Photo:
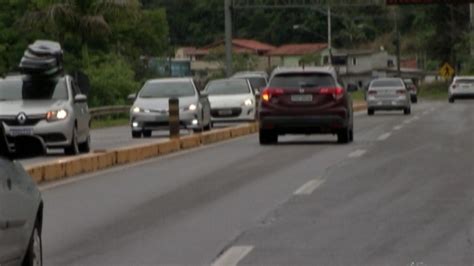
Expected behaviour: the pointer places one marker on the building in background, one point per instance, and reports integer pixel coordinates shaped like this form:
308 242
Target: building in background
293 55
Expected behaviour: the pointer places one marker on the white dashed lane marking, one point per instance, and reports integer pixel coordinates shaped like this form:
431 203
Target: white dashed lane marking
309 187
233 256
397 127
384 136
357 153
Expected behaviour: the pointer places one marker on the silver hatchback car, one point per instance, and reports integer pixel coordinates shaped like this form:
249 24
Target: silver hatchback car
21 213
387 94
150 110
52 112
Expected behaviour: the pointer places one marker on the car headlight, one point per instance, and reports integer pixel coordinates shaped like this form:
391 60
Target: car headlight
248 102
56 115
136 109
192 107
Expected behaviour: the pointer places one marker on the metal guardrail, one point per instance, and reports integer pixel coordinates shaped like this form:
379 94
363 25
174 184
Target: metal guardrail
108 110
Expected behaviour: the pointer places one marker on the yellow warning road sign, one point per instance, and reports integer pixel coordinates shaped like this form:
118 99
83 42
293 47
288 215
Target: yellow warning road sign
446 71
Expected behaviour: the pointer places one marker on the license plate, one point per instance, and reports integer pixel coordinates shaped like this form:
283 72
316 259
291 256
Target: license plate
302 98
224 112
21 132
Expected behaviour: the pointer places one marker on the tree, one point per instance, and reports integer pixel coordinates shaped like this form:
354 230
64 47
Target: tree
87 19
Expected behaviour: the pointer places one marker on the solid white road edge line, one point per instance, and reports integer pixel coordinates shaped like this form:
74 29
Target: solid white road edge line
309 187
232 256
398 127
384 136
357 153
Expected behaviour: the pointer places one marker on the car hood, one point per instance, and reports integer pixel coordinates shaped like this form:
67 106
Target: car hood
30 107
162 103
229 100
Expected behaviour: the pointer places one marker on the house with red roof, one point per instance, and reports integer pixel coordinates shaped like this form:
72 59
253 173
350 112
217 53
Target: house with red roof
295 54
241 46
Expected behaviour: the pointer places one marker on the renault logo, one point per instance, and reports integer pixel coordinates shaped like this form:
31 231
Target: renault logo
301 90
21 118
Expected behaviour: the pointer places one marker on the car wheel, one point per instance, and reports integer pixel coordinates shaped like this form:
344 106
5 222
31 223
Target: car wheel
208 127
451 100
73 149
136 134
407 111
343 136
146 133
351 135
370 111
267 137
86 146
34 254
415 99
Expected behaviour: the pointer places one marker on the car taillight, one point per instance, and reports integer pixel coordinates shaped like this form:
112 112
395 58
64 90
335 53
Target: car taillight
268 93
401 92
336 92
372 93
453 86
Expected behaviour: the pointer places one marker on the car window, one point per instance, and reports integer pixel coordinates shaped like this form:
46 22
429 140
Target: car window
387 83
167 90
408 82
257 82
33 89
465 81
298 80
228 87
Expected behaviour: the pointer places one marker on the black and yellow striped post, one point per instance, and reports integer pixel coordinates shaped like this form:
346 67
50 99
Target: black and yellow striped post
174 117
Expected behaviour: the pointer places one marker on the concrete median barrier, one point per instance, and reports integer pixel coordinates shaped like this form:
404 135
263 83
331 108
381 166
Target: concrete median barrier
100 160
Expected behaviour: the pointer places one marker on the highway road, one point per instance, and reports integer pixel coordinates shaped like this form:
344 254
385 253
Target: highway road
401 194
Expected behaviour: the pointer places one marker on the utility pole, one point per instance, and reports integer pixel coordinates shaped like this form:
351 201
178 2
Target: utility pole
329 36
471 28
228 37
397 42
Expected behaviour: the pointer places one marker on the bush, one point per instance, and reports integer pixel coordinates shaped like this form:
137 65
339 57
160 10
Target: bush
112 79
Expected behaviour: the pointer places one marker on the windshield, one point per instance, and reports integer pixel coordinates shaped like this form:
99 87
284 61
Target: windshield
299 80
228 87
465 81
167 90
257 83
33 89
387 83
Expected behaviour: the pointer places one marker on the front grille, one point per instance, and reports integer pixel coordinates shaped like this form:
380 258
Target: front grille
226 112
53 137
159 124
28 122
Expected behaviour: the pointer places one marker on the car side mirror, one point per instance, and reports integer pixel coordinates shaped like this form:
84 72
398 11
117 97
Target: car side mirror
80 98
352 88
132 97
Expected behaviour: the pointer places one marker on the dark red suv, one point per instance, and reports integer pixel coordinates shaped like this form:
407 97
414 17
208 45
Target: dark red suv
306 101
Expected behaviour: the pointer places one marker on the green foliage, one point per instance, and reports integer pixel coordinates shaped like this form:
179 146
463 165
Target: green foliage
112 79
434 91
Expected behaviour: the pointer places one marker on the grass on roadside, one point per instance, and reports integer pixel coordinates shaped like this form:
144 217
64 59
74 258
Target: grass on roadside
437 91
109 122
358 96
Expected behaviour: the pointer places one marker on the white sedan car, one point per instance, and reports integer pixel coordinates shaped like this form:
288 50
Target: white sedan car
232 100
461 88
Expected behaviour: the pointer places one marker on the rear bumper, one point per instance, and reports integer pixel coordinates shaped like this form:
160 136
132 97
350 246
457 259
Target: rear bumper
464 95
322 124
388 104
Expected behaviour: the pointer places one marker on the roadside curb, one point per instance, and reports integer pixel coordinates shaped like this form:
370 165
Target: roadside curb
100 160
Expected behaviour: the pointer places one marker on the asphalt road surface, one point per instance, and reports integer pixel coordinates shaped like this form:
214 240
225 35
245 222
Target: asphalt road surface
401 194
